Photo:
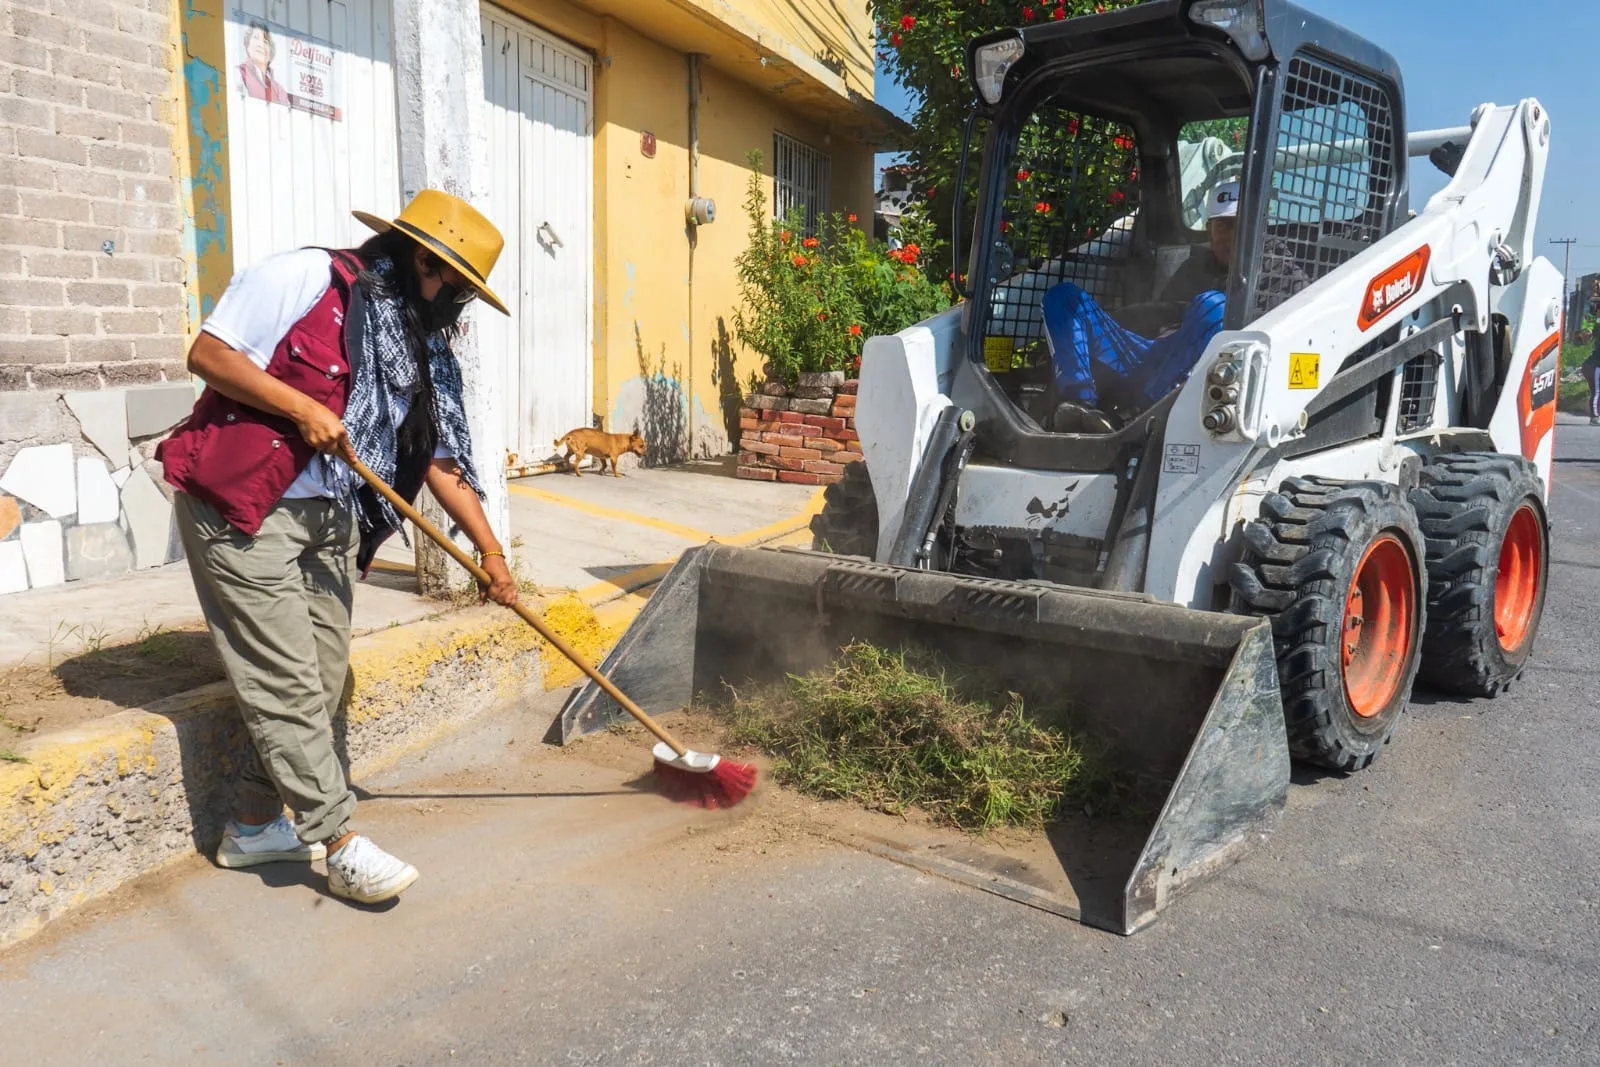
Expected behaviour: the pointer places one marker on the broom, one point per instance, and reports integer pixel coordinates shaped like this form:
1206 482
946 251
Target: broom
682 774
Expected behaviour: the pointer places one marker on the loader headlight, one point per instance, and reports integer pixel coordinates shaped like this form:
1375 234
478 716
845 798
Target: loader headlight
1244 21
991 63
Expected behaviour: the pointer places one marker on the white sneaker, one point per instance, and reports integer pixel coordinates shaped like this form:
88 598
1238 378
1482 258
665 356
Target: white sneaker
366 874
274 843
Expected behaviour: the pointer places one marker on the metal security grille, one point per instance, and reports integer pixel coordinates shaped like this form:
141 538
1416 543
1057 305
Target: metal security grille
800 180
1419 384
1333 176
1068 217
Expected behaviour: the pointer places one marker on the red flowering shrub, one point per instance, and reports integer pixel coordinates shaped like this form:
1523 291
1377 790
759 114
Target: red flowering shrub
812 312
928 47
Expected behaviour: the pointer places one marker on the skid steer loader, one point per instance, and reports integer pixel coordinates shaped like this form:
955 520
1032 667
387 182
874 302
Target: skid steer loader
1346 492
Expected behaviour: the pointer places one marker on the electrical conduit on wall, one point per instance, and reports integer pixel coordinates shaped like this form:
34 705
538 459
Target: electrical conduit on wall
692 228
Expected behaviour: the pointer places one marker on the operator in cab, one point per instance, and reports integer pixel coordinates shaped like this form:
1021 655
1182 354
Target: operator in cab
1100 363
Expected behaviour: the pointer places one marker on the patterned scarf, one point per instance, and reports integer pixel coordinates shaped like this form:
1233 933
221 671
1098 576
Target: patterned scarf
385 381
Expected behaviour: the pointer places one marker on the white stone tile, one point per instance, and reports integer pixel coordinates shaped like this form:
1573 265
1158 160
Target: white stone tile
97 551
154 409
42 475
120 476
98 498
149 519
43 549
103 416
13 568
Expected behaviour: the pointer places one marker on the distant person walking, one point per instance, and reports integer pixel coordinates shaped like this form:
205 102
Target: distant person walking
1591 375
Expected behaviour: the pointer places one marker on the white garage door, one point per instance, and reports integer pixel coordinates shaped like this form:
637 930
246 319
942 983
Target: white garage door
311 123
537 96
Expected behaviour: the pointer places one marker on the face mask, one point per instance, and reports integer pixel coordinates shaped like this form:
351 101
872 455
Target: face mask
444 310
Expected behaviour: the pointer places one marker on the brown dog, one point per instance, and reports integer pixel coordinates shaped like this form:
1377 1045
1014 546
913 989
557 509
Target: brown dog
608 446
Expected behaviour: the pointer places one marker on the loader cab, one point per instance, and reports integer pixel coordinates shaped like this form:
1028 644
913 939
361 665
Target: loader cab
1104 137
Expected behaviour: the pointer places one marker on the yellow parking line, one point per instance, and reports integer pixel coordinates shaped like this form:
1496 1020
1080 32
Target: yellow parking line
782 526
688 533
622 584
784 533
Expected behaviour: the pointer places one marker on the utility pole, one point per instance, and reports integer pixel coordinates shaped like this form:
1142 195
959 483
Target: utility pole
1566 269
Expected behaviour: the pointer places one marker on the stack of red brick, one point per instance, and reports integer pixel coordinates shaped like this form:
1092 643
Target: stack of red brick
803 434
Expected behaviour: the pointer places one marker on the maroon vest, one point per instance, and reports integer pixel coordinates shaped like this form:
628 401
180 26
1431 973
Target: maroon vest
240 459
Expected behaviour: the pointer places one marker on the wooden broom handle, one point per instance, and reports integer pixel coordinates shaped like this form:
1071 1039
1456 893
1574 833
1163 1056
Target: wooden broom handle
521 609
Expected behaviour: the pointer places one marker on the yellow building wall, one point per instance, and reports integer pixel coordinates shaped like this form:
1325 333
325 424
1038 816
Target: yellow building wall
665 362
839 34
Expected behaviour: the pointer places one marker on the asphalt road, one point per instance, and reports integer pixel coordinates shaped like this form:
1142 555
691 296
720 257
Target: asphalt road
1440 907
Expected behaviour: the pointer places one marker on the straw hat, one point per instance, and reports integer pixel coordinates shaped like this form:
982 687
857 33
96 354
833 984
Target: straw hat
453 230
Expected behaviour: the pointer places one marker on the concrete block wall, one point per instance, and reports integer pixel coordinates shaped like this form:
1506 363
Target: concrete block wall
92 276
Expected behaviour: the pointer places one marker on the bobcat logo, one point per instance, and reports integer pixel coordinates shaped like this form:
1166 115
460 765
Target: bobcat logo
1394 287
1039 511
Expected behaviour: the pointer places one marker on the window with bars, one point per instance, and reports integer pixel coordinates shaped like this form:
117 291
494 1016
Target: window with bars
1069 209
1333 177
800 180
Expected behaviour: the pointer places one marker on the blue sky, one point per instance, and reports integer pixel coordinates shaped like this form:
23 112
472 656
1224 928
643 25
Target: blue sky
1457 54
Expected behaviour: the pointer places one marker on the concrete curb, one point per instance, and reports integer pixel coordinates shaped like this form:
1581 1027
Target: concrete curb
102 803
107 801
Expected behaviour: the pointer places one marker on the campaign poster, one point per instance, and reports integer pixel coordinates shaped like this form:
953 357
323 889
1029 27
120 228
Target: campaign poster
280 66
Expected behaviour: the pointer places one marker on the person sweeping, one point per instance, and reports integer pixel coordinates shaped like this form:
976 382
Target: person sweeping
311 360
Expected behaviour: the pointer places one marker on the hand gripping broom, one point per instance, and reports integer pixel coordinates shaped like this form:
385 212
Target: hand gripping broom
681 773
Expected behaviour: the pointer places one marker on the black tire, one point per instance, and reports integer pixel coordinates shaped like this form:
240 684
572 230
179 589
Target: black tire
1466 504
1299 569
847 525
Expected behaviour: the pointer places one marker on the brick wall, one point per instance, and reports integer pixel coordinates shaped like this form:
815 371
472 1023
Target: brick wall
804 434
86 95
92 295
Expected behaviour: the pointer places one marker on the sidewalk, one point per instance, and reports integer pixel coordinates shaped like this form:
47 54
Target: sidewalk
599 537
117 736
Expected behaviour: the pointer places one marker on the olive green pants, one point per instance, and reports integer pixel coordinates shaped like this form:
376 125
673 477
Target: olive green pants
278 605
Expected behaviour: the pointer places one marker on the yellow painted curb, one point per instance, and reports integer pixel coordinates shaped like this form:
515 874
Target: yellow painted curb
109 800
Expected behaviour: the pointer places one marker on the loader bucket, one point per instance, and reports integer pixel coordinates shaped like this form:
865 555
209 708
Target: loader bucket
1188 701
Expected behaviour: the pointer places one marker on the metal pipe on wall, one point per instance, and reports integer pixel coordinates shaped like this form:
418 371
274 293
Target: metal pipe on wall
692 232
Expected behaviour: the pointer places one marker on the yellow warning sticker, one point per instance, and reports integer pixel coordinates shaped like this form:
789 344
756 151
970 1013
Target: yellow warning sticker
1305 370
997 352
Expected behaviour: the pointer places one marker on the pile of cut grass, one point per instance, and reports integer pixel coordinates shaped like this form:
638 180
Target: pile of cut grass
894 730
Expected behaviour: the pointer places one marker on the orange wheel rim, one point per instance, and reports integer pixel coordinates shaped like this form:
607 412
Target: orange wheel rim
1516 587
1379 626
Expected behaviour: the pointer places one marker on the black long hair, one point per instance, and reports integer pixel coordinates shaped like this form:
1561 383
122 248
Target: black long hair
417 434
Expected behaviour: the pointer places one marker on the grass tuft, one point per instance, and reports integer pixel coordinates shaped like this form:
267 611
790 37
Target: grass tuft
894 730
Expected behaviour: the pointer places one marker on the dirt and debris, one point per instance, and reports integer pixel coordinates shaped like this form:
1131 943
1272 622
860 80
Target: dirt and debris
896 730
85 677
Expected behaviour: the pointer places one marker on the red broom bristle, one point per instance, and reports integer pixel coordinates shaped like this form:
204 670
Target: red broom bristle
721 787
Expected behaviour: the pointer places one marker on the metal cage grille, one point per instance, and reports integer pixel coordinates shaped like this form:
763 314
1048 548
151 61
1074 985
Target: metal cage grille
1333 176
799 179
1068 217
1419 386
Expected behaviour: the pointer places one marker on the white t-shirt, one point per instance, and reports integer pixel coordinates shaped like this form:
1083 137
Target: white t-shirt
261 303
